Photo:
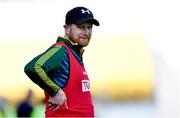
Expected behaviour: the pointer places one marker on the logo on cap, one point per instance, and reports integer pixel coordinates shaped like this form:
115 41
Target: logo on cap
85 11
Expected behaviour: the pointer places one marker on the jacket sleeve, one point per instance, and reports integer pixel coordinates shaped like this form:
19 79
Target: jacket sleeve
37 69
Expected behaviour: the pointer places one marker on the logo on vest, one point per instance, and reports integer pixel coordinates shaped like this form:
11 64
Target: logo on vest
84 73
85 85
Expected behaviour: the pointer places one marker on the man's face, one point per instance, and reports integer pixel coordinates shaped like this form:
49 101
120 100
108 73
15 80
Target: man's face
80 34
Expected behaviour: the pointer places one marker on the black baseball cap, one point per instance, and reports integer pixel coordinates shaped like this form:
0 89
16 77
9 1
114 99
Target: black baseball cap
80 15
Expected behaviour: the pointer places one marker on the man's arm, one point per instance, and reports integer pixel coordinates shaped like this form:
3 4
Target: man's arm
37 70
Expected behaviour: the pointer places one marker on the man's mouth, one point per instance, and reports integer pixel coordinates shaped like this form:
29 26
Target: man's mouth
84 37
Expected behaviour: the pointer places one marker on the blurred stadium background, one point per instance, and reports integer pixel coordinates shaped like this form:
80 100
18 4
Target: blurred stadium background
132 60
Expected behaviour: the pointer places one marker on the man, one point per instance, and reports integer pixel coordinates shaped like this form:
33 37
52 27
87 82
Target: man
25 107
60 70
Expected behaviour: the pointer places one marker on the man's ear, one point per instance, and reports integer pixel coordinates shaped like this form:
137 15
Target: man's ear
67 29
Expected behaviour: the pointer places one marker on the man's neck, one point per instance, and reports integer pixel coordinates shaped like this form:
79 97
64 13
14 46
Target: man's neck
80 48
66 37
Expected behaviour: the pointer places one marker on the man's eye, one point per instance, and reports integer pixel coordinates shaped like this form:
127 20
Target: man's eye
89 27
84 27
80 27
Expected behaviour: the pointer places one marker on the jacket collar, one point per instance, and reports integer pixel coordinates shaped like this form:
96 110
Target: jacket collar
70 43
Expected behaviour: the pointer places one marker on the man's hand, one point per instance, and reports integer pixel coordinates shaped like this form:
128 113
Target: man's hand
58 100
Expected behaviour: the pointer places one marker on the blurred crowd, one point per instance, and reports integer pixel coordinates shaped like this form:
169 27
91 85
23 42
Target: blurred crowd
26 107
